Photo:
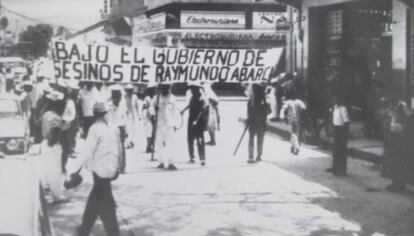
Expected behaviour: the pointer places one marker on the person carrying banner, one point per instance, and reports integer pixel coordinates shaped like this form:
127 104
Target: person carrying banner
146 116
197 119
165 127
117 115
132 104
294 108
257 110
102 156
87 97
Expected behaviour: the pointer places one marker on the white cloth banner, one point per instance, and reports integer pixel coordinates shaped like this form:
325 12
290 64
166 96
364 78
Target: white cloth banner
162 65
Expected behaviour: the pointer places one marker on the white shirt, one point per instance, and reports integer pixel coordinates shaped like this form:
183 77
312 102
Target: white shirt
117 114
293 108
70 112
101 151
166 111
88 99
340 116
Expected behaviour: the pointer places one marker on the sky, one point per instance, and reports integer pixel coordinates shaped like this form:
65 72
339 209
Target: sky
74 14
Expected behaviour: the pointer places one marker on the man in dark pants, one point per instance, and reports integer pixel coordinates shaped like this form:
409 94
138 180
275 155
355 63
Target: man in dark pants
341 124
102 153
197 120
257 110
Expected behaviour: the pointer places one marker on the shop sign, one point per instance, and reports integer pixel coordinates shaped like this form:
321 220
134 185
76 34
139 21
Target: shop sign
266 20
233 36
282 24
212 20
153 24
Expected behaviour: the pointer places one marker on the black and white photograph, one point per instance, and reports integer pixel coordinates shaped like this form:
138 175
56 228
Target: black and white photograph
206 118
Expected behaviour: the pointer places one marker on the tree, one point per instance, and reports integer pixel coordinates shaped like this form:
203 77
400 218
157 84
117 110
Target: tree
40 36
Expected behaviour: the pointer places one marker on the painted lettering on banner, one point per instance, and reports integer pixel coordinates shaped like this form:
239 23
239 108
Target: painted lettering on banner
162 65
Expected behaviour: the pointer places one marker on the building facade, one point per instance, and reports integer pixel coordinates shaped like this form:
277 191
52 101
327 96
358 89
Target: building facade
361 49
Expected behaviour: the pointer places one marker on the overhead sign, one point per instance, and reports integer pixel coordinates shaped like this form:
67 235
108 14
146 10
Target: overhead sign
162 65
152 24
233 35
266 20
212 20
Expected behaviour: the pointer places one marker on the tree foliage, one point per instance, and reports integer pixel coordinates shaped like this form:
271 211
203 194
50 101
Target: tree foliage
39 36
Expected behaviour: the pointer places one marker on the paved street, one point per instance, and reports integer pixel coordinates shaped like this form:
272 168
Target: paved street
283 195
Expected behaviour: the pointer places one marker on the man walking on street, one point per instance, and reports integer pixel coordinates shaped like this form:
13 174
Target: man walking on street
257 110
197 120
294 107
88 97
102 155
117 115
71 123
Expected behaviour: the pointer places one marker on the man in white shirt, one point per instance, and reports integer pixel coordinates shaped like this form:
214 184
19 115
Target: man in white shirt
118 116
87 98
341 124
294 108
70 119
101 154
132 104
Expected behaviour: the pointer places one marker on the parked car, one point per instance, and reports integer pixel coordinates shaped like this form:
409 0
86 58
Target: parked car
14 126
23 210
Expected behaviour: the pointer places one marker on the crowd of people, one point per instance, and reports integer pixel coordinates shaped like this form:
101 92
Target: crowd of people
106 116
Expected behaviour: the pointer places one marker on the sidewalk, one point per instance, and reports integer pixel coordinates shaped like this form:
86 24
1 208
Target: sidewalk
358 147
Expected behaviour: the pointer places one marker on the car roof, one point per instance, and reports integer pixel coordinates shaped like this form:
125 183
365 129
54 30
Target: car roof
8 96
11 59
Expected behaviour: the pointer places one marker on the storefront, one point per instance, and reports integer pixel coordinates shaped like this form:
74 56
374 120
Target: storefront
357 49
214 25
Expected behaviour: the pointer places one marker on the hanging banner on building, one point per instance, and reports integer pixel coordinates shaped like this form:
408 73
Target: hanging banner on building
162 65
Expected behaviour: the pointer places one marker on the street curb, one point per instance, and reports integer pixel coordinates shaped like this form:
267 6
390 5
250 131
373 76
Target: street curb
352 152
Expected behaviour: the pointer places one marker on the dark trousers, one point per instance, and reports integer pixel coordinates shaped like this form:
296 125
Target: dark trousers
340 153
87 122
35 128
69 143
196 133
100 203
259 132
122 133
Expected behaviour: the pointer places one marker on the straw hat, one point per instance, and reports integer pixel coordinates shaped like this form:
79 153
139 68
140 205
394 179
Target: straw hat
100 107
115 87
55 96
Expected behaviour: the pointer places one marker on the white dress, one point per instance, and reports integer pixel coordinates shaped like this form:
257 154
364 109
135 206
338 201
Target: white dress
52 168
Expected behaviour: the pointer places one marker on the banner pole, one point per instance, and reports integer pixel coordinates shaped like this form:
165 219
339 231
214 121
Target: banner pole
154 130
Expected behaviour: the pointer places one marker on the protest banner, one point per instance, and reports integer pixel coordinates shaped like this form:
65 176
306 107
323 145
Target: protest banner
162 65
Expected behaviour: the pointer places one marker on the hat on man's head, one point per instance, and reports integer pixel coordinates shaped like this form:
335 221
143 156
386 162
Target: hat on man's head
47 89
100 107
73 84
27 83
152 85
115 87
55 96
129 86
194 83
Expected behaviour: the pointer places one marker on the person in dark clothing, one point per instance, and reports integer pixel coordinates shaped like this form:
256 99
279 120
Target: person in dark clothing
395 161
197 120
257 110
